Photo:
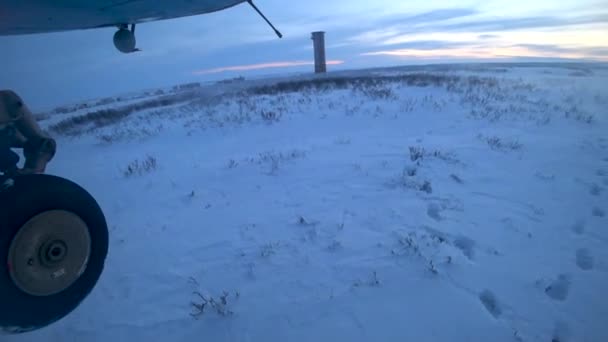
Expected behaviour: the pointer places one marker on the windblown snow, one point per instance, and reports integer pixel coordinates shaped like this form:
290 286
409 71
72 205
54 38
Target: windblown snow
438 203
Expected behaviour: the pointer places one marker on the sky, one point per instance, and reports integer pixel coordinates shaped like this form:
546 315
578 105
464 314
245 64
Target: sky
58 68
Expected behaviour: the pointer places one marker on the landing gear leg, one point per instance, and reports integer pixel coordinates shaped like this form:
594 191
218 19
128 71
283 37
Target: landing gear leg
53 234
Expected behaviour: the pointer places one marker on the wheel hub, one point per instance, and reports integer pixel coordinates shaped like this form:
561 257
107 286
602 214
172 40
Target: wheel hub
53 252
49 253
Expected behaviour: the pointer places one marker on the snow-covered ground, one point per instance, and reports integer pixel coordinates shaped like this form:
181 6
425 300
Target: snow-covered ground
458 203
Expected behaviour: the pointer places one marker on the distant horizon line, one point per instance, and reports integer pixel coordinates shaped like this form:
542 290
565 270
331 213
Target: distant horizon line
515 61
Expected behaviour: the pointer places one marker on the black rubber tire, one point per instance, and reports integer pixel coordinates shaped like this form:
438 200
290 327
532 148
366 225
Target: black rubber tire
28 196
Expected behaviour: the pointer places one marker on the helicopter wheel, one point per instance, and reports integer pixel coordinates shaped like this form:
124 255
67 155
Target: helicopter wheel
53 245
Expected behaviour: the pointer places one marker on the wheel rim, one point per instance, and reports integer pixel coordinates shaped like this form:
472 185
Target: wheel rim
49 253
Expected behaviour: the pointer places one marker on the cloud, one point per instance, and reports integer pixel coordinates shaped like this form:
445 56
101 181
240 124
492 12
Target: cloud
598 50
373 36
394 25
431 54
259 66
487 36
472 51
507 24
463 24
429 17
591 51
546 48
429 44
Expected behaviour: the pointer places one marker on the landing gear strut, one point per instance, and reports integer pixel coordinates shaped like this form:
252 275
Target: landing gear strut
124 39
